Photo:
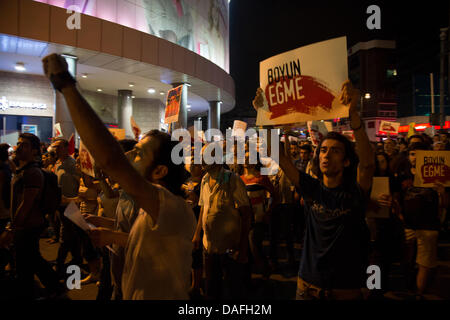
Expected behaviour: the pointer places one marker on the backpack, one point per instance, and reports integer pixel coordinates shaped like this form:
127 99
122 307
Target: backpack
51 193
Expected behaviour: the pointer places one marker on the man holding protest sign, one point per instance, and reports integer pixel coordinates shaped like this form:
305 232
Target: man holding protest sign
336 240
419 211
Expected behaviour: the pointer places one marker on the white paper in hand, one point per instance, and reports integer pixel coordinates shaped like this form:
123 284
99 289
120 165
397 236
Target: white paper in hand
380 186
73 214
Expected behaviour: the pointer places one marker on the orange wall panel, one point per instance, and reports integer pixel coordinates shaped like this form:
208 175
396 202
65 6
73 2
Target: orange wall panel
178 58
34 20
112 35
165 53
149 49
59 33
132 44
9 17
189 63
89 36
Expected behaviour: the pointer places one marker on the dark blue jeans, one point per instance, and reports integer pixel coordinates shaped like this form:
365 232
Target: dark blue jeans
30 262
224 277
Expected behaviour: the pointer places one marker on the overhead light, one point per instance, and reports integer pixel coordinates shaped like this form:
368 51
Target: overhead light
99 90
162 93
132 97
84 75
367 96
151 90
131 84
20 66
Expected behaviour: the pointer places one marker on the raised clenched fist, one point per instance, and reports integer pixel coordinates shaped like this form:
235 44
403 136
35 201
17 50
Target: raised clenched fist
54 64
258 102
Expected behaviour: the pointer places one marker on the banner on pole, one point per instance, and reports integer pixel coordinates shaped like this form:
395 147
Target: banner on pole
173 104
87 162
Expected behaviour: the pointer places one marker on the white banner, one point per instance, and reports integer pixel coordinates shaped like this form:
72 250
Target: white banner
304 84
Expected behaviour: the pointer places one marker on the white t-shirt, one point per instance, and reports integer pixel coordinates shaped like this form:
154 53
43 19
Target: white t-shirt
217 199
158 255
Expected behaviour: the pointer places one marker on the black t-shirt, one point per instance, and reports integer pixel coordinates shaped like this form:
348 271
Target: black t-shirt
336 240
30 176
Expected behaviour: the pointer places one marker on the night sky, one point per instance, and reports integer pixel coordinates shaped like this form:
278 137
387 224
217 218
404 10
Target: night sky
260 29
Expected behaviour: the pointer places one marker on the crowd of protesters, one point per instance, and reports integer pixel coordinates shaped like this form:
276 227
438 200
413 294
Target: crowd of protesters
162 230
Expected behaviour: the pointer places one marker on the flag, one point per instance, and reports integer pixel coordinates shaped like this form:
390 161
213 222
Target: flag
135 128
71 145
412 130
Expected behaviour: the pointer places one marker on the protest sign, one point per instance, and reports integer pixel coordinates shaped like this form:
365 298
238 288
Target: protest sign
304 84
317 131
380 186
389 127
173 104
86 161
432 167
118 133
239 128
58 131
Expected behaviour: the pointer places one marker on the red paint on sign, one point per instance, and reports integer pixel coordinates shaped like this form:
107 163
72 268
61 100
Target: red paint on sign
302 94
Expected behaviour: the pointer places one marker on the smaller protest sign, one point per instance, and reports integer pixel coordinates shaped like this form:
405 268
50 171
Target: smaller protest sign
173 104
389 127
432 167
58 131
239 128
317 131
86 161
380 186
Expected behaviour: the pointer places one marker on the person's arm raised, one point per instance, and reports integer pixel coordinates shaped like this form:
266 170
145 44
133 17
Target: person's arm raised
350 97
101 144
286 164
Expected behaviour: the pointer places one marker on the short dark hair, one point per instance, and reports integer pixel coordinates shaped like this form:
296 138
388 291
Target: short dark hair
127 144
64 142
34 141
350 172
306 147
417 136
4 147
176 174
417 146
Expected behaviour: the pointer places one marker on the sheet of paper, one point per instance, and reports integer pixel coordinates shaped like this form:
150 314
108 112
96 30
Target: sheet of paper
380 186
73 214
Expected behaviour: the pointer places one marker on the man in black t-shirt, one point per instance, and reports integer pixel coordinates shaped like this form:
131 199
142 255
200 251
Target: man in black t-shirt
336 241
28 220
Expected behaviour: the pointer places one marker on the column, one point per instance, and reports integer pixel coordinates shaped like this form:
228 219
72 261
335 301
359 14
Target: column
125 111
62 114
214 114
182 118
